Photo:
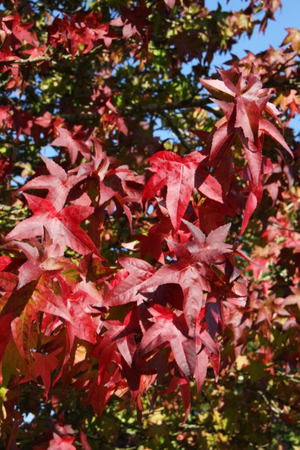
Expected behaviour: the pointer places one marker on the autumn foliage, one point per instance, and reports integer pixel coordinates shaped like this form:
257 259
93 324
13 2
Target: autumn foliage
135 267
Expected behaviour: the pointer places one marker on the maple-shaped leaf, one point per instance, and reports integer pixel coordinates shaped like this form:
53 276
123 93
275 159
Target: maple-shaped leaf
86 327
192 269
5 324
21 327
61 443
122 334
134 21
127 290
168 327
98 165
43 364
210 249
4 262
243 102
201 368
46 300
8 281
36 263
178 174
20 31
170 3
84 442
73 143
293 38
58 183
62 226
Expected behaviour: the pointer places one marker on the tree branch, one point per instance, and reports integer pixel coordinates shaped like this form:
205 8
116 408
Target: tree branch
153 108
176 131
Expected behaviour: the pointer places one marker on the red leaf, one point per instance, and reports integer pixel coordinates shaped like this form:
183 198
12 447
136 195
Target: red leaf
127 290
201 368
170 3
4 262
43 364
251 205
173 329
61 443
84 442
208 185
5 327
8 281
243 101
186 399
20 30
37 261
219 89
270 129
63 226
20 328
45 300
191 270
72 143
178 174
58 183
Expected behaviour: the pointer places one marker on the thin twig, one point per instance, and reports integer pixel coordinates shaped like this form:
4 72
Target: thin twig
176 131
282 228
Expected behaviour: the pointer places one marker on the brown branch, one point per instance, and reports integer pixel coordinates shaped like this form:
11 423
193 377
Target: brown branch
182 104
153 108
53 58
282 228
176 131
29 60
283 83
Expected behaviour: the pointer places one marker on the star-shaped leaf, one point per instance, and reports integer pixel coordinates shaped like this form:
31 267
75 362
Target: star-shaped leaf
73 143
168 327
180 175
62 226
58 183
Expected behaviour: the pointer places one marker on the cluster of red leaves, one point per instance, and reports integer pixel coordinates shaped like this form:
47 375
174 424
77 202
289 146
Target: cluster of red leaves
19 44
273 307
67 316
81 29
147 321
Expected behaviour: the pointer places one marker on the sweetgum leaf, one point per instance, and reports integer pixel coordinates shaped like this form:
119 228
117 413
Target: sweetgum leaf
270 129
58 183
192 270
20 328
126 291
43 365
172 329
61 443
62 226
73 144
243 102
180 175
5 324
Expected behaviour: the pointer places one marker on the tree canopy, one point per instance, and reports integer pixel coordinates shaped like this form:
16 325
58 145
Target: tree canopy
149 212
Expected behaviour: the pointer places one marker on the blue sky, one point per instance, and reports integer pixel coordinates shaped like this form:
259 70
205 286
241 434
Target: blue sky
287 17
